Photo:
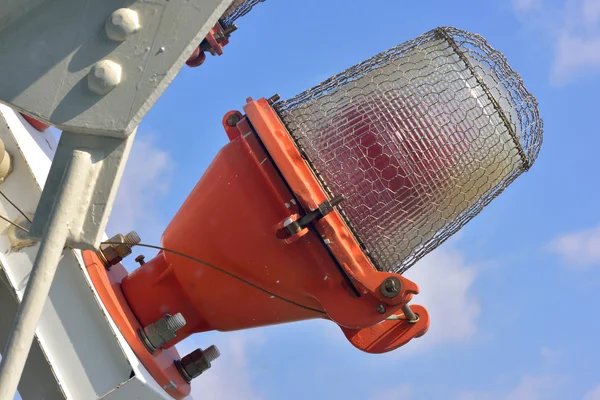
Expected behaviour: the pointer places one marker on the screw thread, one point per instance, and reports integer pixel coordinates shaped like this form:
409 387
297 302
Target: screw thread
131 239
211 353
176 322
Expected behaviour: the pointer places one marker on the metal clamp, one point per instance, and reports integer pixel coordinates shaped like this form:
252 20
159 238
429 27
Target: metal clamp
324 208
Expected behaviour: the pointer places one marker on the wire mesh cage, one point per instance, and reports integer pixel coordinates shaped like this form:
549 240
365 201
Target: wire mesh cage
238 9
419 139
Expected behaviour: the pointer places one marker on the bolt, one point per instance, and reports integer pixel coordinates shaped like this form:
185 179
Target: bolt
195 363
117 248
220 37
391 287
121 24
229 30
274 98
175 322
410 314
233 119
337 200
381 309
131 239
104 76
160 332
212 353
140 259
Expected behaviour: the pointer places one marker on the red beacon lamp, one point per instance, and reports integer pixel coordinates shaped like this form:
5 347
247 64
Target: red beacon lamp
318 204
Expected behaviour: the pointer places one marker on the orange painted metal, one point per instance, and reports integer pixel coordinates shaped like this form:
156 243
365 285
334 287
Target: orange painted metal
343 245
39 125
388 335
160 364
231 220
215 40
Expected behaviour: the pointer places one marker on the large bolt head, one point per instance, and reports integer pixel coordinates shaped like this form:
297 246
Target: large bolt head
104 76
121 24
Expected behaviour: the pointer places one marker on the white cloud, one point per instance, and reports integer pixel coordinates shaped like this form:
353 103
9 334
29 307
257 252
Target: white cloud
534 388
475 395
593 394
445 281
578 249
574 28
575 55
550 356
591 11
147 177
526 5
403 391
529 388
230 377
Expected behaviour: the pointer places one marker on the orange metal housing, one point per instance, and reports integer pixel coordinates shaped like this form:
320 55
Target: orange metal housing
161 363
231 219
39 125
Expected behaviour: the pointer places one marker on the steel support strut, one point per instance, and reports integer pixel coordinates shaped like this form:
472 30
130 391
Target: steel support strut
42 273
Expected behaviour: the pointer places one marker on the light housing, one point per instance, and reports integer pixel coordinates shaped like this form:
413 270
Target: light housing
417 140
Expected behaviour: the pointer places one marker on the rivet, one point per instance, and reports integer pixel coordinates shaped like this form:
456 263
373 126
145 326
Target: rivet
121 24
104 76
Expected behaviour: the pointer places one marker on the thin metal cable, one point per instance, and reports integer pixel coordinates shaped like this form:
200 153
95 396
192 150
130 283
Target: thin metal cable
14 223
15 206
203 263
226 273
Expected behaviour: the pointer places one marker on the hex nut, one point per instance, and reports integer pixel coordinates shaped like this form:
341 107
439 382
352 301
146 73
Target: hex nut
197 362
110 254
391 287
115 253
162 331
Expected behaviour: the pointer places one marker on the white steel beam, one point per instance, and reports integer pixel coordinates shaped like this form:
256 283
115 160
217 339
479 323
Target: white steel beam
88 356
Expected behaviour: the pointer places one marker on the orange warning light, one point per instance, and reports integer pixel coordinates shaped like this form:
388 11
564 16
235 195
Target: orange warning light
257 187
319 203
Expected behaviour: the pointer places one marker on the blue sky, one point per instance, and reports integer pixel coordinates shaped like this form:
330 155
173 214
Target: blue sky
513 297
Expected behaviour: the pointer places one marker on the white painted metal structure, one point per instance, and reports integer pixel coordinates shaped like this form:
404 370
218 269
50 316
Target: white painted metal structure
92 68
79 352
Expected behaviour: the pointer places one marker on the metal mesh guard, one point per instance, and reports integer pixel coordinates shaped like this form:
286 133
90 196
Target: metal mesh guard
237 9
419 138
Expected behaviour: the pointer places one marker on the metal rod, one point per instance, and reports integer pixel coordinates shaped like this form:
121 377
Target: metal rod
409 314
42 274
15 206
